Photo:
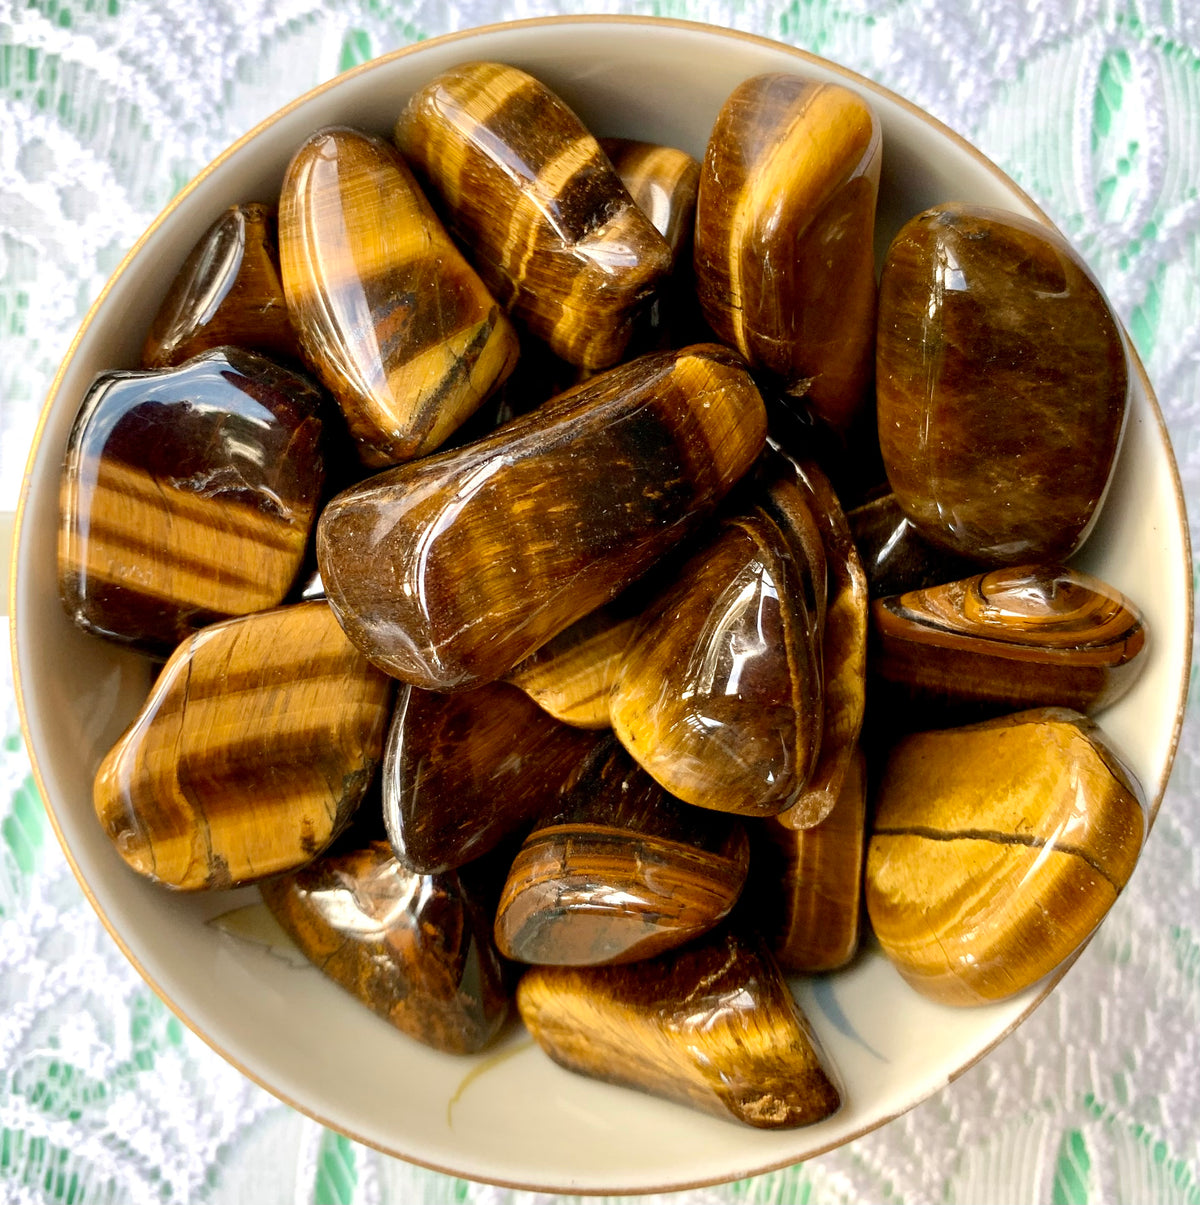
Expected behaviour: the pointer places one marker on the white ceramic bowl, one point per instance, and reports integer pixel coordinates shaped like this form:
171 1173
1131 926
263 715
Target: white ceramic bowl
512 1116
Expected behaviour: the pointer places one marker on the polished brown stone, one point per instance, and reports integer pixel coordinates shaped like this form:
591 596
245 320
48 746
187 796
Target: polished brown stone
250 754
784 236
662 180
188 496
415 949
1002 385
618 871
398 325
996 850
449 571
228 292
712 1026
548 223
463 771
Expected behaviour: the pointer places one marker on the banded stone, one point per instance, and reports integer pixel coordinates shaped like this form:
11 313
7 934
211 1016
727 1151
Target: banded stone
662 180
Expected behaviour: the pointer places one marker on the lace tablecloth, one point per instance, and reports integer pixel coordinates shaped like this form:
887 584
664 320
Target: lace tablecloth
107 107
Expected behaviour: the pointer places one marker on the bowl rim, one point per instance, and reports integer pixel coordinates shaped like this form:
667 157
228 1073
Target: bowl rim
852 78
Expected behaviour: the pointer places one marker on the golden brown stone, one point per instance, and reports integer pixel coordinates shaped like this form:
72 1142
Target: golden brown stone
662 181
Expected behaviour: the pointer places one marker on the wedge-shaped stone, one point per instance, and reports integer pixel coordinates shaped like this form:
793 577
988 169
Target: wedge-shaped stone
719 694
395 321
188 496
463 771
250 753
449 571
228 292
550 227
712 1025
415 949
1029 636
1002 385
618 871
785 223
997 849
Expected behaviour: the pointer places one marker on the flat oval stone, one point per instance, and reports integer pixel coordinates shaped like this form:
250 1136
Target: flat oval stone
228 292
398 325
463 771
550 227
997 848
712 1026
251 752
785 221
1028 636
618 871
188 496
1002 385
546 520
415 949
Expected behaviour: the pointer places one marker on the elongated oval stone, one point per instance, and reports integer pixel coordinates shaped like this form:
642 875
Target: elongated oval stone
250 754
550 227
712 1026
395 321
449 571
228 292
618 871
463 771
188 496
1029 636
719 693
1002 385
997 848
415 949
785 220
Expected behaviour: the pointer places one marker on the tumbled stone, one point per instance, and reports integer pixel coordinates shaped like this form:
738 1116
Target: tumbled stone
662 180
188 496
250 754
713 1026
1002 385
996 850
546 520
550 227
398 325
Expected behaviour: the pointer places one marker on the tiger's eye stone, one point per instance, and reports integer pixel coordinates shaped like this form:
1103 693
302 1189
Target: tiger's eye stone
449 571
415 949
228 292
1030 636
719 692
618 871
396 322
1002 385
550 227
662 181
250 754
713 1026
785 221
997 849
463 771
188 496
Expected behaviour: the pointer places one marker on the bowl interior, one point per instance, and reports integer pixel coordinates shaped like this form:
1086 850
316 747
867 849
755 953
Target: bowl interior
512 1116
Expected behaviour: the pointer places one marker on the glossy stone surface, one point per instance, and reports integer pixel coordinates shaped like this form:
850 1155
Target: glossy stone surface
463 771
188 496
415 949
1029 636
719 693
618 871
398 325
996 850
712 1026
228 292
662 180
547 519
550 227
1002 385
251 752
784 236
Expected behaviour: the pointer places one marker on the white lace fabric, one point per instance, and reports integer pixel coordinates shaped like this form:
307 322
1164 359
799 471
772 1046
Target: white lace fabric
107 107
